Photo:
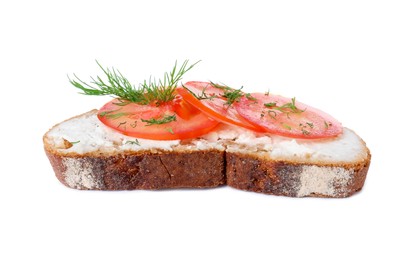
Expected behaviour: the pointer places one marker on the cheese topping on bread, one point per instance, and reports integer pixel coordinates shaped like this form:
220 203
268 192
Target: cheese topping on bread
89 135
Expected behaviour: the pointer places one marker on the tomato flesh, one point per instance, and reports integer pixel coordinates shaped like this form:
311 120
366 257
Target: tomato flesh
209 100
286 117
183 121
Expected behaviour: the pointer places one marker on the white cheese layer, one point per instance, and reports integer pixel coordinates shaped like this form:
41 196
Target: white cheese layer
88 134
347 147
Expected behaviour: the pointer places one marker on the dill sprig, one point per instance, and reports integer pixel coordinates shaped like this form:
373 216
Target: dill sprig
270 104
135 142
232 95
288 127
203 94
164 120
289 107
250 97
112 115
170 130
162 91
151 91
116 85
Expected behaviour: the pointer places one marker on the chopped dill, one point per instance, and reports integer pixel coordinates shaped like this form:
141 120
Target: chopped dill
135 142
164 120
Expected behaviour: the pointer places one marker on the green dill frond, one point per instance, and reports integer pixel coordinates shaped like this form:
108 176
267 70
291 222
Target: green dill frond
203 94
135 142
164 120
232 95
170 130
271 104
250 97
222 87
116 84
289 107
288 127
162 91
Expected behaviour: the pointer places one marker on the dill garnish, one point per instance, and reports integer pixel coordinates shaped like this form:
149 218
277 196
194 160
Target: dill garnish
271 104
114 116
285 108
272 114
170 130
102 114
309 124
232 95
292 107
151 91
250 97
164 120
133 125
288 127
121 103
305 132
203 94
135 142
122 124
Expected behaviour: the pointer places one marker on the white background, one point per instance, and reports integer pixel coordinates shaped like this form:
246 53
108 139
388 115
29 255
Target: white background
353 59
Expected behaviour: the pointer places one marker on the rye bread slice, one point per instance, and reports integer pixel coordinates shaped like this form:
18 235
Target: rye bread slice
148 171
284 178
87 155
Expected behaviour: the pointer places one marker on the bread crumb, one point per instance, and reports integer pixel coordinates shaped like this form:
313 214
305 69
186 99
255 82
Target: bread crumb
330 181
78 174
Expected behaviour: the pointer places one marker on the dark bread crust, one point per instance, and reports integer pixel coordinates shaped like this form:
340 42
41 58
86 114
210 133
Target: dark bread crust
198 169
247 172
149 171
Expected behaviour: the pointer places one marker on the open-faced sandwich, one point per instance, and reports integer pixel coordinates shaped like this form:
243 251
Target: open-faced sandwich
165 134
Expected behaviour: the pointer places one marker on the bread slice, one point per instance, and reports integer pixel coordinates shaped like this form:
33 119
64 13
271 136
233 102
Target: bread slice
85 154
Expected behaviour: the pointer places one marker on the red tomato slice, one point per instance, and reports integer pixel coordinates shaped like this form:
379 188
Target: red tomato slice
182 121
286 117
208 99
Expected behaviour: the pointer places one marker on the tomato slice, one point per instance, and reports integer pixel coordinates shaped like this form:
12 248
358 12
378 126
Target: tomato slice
286 117
209 100
170 121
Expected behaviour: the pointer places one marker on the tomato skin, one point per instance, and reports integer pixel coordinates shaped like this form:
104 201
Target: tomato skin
184 109
200 106
216 107
304 122
127 119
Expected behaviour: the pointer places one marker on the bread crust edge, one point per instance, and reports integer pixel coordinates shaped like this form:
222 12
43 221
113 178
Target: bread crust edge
282 178
148 171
